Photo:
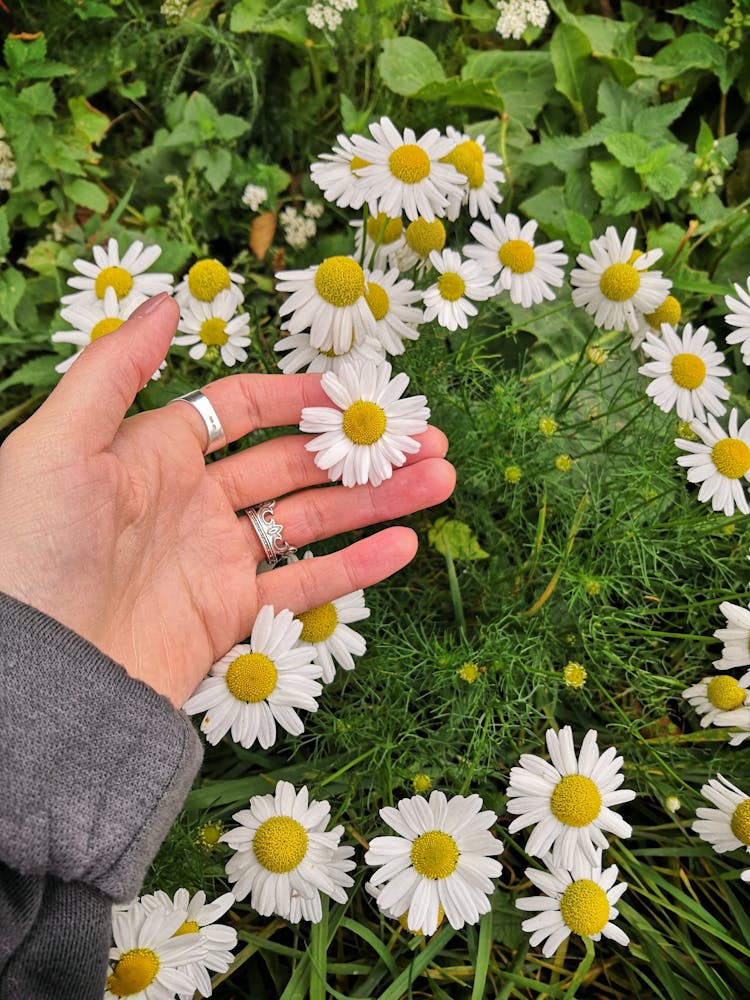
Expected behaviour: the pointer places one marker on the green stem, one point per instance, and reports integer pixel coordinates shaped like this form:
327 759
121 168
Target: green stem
582 969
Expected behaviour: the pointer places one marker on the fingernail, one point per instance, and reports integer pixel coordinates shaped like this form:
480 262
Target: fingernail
149 306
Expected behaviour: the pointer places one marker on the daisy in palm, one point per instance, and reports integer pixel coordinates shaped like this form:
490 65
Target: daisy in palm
578 898
326 629
719 462
527 271
213 326
735 637
461 283
337 174
444 857
206 279
482 174
150 959
614 285
384 241
258 686
740 319
217 940
727 827
370 429
686 372
298 353
714 698
328 299
285 858
569 799
125 275
392 305
406 175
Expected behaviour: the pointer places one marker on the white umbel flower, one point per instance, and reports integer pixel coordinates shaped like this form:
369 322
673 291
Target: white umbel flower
206 279
719 462
528 272
258 686
205 325
217 940
443 856
90 321
461 283
578 899
337 174
715 697
326 629
736 638
298 353
384 242
726 827
150 960
569 799
392 305
125 275
285 857
740 319
370 429
614 285
686 372
405 175
481 173
329 300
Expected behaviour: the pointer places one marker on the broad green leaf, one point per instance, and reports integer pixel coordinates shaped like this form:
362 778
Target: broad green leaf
254 16
92 8
574 68
524 80
230 126
91 123
448 535
352 119
406 65
39 98
619 188
20 52
619 105
709 13
694 50
548 208
83 192
12 286
705 141
578 227
627 148
215 164
42 258
666 182
463 94
39 371
656 120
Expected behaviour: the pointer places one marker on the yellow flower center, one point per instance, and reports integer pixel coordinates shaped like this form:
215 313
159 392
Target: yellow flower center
725 693
251 677
392 231
189 927
133 972
318 624
451 286
669 311
423 237
364 422
105 326
113 277
340 281
206 278
619 282
576 801
584 907
377 299
731 457
574 675
434 854
518 255
469 672
209 833
421 783
740 822
468 159
688 370
357 163
213 332
409 163
280 844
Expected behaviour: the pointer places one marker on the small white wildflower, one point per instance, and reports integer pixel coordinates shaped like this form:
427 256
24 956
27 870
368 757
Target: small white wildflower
316 15
313 209
173 11
332 18
517 15
7 165
253 196
297 228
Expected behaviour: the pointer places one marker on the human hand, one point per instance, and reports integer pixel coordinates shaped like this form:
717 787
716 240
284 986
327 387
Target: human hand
119 529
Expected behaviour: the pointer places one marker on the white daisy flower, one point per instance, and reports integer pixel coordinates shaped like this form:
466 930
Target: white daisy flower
481 172
90 321
285 857
460 281
392 304
728 826
442 857
384 241
669 311
205 280
213 324
527 272
298 353
329 300
568 799
257 686
150 959
326 629
218 941
420 239
369 430
686 372
405 175
126 276
579 899
714 697
740 318
337 174
745 876
615 285
736 638
719 462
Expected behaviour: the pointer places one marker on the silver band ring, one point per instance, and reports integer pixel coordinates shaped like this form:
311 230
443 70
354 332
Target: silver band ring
269 532
202 404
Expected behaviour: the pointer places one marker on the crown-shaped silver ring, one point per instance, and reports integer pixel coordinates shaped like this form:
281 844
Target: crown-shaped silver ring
269 532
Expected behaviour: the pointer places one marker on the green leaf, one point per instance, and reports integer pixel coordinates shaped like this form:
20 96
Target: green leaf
89 122
42 258
619 105
694 50
230 126
254 16
19 52
654 122
619 188
548 208
709 13
87 194
38 98
627 148
216 164
92 8
705 141
571 52
12 286
448 535
524 80
463 94
578 227
406 65
666 182
39 371
352 119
